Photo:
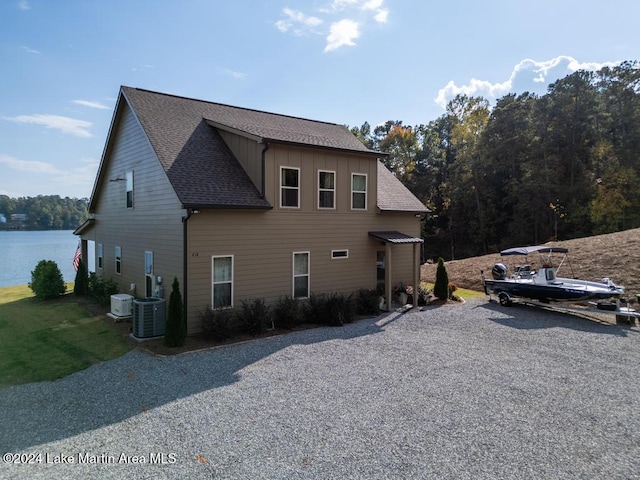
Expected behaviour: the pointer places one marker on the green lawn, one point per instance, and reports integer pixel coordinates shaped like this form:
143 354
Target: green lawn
46 340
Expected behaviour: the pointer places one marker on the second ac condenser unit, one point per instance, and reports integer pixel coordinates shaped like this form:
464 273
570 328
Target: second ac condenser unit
149 317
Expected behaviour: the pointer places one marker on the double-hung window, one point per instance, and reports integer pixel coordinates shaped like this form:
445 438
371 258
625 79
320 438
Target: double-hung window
129 182
326 189
289 187
222 289
300 274
358 191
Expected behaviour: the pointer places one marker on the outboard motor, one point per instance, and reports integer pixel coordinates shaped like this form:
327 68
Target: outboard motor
499 271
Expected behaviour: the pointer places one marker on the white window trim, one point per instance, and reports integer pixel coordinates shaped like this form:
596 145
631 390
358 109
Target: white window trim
366 186
332 190
284 167
213 282
339 257
118 260
294 276
148 274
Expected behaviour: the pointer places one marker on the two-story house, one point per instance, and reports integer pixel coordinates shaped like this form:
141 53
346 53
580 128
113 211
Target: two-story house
240 204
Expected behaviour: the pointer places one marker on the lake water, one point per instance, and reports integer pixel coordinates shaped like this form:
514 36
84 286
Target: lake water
21 251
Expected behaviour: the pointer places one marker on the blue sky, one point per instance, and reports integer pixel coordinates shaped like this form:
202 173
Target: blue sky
342 61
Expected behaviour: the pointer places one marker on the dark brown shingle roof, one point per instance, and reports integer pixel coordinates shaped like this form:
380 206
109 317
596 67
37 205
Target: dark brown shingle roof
199 164
393 196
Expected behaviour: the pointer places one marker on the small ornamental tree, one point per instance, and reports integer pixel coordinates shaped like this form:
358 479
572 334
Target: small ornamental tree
81 286
176 331
441 287
47 281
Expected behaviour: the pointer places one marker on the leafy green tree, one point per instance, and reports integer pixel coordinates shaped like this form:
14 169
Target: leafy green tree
46 280
175 332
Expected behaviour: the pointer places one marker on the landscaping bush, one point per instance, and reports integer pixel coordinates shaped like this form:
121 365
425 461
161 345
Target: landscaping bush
255 316
47 281
176 330
340 309
286 312
314 309
216 324
333 309
81 286
367 302
102 289
441 286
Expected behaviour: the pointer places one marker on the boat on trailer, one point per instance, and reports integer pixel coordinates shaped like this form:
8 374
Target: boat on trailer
539 281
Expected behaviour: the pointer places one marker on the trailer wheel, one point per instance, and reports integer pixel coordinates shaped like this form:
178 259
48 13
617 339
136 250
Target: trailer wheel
504 299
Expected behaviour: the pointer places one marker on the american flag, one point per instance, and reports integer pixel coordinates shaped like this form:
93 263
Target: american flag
77 257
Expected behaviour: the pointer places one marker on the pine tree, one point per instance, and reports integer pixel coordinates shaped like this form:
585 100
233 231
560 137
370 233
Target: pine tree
81 286
441 287
176 332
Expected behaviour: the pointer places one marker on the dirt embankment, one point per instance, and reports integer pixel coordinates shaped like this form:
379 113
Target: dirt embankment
614 255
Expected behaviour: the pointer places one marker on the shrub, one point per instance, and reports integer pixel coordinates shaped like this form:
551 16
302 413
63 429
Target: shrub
255 316
340 309
176 331
333 309
441 287
102 289
81 286
286 312
314 309
216 324
47 281
367 302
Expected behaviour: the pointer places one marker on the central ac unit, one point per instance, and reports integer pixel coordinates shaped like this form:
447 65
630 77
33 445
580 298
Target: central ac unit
149 317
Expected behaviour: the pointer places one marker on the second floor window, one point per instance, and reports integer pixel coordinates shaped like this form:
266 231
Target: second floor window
129 189
289 187
326 189
358 191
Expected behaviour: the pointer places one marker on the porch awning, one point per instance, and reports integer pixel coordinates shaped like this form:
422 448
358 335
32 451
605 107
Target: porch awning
84 227
395 237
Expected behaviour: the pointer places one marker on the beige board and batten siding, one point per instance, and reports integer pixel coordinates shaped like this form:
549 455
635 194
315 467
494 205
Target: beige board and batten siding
248 152
262 243
154 223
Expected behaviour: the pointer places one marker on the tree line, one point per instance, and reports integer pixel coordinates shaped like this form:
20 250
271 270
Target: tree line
528 170
44 212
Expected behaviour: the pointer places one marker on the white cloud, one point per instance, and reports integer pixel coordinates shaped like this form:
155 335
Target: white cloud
342 33
29 166
24 5
87 103
43 178
297 22
232 73
31 50
527 75
67 125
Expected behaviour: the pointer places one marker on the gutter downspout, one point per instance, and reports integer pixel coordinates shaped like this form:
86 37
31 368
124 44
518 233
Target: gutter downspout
185 265
264 163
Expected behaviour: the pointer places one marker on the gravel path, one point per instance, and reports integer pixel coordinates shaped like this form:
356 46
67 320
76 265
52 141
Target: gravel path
463 392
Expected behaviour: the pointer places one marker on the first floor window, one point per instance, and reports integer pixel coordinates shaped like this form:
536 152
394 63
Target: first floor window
118 260
148 273
300 274
359 191
222 282
100 256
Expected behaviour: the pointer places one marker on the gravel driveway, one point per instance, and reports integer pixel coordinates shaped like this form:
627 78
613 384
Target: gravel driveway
466 391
